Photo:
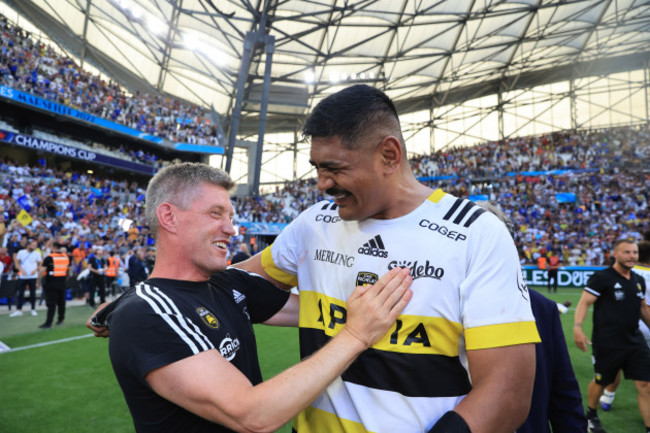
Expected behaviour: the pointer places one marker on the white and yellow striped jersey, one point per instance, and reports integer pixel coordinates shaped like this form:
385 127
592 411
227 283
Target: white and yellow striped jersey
468 294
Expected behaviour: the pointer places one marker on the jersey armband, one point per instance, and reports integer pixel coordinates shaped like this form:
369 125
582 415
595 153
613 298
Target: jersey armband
450 422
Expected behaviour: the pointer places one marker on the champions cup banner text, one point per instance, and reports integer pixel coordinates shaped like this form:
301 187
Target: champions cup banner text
568 276
72 152
44 104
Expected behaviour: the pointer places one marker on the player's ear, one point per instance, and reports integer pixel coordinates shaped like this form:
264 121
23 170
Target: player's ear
167 219
391 153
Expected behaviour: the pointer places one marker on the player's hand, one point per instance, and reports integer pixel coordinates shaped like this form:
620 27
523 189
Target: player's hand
580 338
99 331
372 310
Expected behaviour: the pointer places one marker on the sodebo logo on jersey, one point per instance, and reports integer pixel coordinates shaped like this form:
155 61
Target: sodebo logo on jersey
426 270
328 218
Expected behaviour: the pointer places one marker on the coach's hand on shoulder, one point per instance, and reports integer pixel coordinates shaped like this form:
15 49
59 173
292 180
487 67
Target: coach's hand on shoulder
372 310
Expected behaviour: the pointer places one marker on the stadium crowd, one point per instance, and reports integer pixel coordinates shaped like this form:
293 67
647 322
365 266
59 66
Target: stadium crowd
607 201
29 65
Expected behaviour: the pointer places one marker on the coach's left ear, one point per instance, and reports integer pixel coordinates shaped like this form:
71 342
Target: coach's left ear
167 218
391 153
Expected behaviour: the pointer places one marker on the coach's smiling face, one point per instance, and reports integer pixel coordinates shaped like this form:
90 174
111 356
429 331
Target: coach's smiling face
205 228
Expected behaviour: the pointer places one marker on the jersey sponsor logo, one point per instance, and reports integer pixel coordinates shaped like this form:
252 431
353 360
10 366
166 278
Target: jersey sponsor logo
374 247
229 347
419 270
334 258
239 297
619 294
208 318
442 230
366 278
328 218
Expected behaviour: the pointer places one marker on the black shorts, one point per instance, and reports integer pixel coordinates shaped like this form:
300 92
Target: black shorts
634 361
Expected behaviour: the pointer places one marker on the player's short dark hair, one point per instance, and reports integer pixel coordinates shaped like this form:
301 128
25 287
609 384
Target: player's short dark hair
351 113
646 235
644 252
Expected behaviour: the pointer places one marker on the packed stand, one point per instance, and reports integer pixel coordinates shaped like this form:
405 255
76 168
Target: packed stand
31 66
523 176
88 216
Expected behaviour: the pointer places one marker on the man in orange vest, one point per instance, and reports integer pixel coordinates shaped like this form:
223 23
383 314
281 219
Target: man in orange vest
541 262
55 271
111 271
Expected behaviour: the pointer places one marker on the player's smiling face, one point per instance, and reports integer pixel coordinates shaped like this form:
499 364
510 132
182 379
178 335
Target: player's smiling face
353 177
205 228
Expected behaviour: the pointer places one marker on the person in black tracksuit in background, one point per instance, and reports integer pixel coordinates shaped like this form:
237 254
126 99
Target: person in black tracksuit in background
97 279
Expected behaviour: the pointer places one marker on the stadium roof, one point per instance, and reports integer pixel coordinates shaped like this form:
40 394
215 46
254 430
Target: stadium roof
423 53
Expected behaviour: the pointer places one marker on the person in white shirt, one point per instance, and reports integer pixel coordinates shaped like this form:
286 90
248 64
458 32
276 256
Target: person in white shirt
28 261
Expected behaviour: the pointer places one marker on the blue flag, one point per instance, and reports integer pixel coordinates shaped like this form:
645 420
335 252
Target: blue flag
565 197
24 203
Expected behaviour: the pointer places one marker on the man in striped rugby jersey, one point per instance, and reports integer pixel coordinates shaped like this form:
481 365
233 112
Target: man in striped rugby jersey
470 314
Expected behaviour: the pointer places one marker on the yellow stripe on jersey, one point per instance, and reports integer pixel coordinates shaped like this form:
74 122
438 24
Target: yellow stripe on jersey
641 267
312 420
503 334
410 334
274 272
436 195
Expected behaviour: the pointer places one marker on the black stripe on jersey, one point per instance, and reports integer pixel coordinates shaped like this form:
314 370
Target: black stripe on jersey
331 206
477 213
412 375
453 209
466 208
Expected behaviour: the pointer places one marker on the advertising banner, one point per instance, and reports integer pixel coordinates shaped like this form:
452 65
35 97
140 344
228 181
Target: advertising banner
568 276
38 144
64 110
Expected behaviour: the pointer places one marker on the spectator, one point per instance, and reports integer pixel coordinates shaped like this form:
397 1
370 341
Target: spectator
27 262
137 268
242 254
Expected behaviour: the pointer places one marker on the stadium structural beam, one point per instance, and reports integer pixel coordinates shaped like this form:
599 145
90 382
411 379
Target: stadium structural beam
645 86
249 44
573 105
164 64
84 42
500 126
269 44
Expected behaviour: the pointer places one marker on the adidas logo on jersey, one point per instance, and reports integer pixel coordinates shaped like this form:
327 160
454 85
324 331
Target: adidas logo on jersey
374 247
238 296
